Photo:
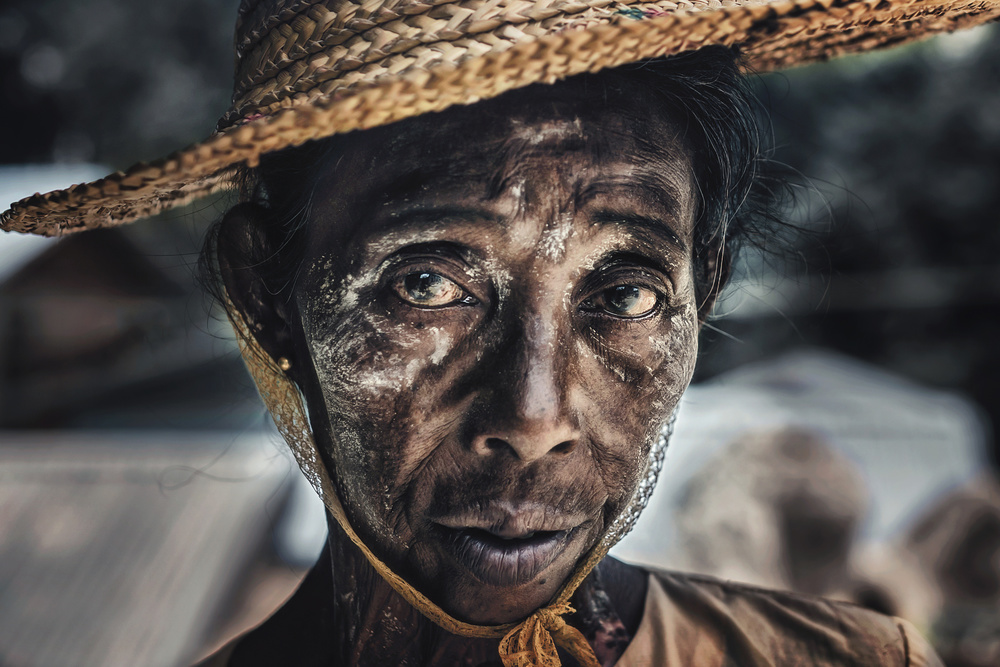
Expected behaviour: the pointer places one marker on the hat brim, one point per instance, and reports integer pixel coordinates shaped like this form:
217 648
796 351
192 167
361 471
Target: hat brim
772 36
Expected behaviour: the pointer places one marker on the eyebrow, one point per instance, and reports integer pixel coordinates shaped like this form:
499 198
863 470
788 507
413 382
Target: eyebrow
406 219
655 225
663 194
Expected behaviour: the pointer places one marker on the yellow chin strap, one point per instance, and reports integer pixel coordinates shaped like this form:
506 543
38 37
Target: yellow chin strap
530 643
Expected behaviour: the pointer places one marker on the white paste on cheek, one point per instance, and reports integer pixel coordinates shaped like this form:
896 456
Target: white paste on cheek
362 365
585 349
337 299
442 345
678 353
352 376
341 332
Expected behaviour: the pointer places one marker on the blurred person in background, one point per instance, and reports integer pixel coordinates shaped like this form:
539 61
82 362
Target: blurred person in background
779 508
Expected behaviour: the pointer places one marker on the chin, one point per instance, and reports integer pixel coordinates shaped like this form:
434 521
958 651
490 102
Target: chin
479 604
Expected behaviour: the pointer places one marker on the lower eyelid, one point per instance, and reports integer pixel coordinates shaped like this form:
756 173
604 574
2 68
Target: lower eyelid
601 314
661 295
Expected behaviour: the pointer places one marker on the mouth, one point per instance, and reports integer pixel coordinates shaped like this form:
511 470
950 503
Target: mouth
504 560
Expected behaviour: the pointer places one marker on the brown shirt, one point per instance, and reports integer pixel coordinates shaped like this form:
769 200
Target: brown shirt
693 620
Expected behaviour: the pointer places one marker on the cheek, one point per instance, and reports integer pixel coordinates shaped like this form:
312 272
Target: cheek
674 356
382 384
360 378
649 361
634 385
366 360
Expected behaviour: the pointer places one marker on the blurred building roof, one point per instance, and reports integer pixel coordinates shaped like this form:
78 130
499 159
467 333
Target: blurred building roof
111 329
122 549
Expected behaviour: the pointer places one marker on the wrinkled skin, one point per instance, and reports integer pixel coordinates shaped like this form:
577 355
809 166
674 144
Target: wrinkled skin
495 314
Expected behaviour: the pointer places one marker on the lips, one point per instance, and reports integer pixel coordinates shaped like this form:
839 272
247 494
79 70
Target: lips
504 561
507 545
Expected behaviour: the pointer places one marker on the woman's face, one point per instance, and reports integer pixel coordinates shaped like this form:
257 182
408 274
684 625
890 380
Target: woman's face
499 306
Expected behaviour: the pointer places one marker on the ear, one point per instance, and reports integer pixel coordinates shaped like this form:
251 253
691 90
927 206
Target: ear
715 270
244 252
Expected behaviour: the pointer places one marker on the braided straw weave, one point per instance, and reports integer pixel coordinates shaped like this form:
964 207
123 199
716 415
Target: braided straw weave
307 69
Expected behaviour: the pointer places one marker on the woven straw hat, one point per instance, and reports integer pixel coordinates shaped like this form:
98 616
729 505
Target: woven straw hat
308 69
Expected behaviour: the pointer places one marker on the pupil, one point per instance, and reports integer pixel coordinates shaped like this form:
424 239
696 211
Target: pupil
423 286
623 298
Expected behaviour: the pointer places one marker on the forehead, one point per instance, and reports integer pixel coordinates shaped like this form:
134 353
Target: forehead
578 139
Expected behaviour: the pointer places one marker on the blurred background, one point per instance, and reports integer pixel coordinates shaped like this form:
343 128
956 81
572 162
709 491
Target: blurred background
839 439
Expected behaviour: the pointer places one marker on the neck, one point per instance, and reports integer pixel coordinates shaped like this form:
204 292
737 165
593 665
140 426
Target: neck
375 625
344 613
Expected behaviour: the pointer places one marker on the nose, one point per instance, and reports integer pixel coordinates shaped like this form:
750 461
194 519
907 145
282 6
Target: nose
526 410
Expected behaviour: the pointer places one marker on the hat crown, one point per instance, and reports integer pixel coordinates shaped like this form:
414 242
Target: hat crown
290 52
256 17
300 52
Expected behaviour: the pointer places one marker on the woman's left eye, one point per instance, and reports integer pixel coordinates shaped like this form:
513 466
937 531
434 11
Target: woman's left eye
625 301
427 289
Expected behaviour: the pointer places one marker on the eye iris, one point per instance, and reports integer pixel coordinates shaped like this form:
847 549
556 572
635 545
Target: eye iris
623 299
423 286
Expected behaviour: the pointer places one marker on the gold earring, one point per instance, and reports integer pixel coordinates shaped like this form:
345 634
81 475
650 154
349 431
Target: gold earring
284 363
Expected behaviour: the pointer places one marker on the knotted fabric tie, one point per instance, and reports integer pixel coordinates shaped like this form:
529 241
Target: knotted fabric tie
533 642
530 643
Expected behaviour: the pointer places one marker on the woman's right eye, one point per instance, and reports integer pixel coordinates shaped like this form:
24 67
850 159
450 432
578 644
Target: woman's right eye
426 289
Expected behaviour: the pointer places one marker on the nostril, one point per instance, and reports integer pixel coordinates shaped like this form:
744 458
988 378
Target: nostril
564 447
527 449
495 444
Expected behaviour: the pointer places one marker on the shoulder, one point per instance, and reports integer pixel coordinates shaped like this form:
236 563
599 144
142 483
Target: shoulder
755 626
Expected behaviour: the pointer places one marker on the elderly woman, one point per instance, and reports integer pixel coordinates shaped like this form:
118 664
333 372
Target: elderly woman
474 247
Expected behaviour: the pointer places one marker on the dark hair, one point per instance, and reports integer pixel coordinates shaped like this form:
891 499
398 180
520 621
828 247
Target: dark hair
703 91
